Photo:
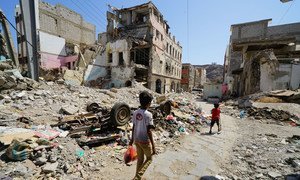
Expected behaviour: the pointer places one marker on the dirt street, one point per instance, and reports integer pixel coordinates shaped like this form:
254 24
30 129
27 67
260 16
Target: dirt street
247 148
223 155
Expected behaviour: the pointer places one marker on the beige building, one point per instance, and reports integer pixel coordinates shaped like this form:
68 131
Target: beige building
200 77
188 77
59 30
138 47
262 57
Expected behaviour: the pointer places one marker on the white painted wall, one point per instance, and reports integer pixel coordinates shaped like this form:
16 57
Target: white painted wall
52 44
266 79
212 90
114 48
287 76
283 77
120 75
295 78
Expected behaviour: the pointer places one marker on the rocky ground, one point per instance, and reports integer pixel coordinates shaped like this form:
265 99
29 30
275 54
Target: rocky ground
264 151
38 107
256 142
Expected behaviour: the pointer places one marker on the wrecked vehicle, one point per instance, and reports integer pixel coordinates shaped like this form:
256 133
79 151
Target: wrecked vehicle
99 118
96 118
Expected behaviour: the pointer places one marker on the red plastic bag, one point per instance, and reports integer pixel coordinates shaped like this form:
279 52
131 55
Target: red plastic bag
130 155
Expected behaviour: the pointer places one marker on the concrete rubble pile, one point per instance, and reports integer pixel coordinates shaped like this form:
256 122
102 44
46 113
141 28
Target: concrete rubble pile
32 148
266 156
265 109
12 79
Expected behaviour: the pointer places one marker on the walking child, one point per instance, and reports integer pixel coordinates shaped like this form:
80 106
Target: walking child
215 117
142 135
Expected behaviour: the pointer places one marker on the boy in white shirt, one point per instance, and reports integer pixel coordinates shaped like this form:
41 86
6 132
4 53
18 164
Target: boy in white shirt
142 135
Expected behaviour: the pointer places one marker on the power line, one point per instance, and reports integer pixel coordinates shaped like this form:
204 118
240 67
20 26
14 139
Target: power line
286 11
17 30
96 10
86 13
95 7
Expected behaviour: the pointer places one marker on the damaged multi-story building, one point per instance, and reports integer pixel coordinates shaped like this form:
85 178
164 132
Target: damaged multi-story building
61 35
187 77
138 47
192 76
200 77
262 58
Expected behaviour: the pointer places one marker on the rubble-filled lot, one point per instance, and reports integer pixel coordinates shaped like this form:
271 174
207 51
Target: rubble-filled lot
47 151
267 147
268 151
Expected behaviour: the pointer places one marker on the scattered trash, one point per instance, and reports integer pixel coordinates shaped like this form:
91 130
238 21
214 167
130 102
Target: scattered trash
47 133
192 119
170 118
79 153
18 150
242 114
181 129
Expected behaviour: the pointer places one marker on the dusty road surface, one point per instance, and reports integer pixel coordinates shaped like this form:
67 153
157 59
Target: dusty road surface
245 149
197 155
200 154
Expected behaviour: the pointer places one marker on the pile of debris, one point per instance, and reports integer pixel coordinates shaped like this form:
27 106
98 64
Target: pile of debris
265 156
246 108
266 113
49 129
12 79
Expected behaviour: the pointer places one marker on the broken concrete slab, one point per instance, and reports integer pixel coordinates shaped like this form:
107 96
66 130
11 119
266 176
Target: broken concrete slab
40 161
282 93
274 175
2 81
4 66
50 167
9 133
73 78
245 103
14 72
21 86
69 110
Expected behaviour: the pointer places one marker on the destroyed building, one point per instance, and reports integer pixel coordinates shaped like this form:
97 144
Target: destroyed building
200 77
138 47
61 35
188 77
262 58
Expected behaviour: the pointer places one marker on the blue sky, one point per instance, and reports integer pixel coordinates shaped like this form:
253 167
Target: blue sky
202 27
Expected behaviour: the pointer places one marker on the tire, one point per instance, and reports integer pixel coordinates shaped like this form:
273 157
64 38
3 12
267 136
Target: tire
120 114
92 107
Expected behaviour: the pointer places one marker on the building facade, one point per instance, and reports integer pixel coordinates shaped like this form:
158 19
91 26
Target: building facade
200 77
60 31
188 77
262 58
138 47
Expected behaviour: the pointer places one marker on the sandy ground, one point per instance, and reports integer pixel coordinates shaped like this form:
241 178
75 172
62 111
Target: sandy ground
200 154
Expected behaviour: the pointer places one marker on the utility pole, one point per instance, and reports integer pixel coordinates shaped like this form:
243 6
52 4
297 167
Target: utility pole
29 23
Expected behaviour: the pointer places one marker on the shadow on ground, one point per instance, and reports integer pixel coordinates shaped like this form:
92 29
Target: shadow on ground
208 178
